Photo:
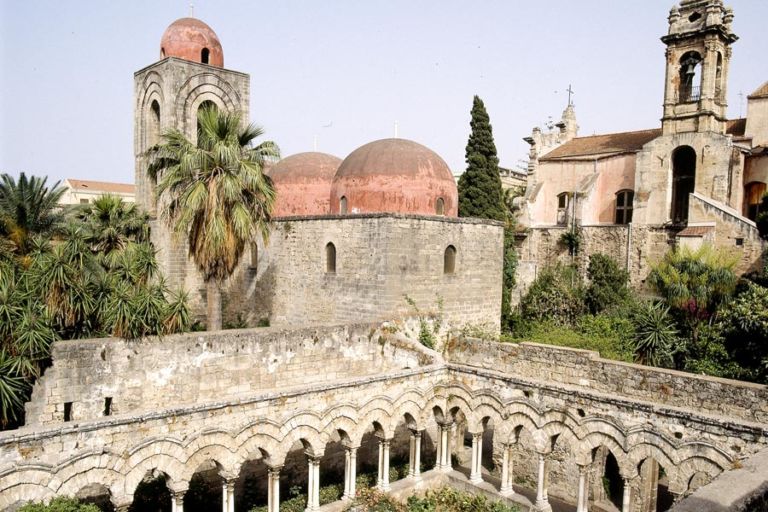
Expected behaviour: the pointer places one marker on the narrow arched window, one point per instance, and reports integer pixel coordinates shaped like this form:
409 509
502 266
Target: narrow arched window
154 124
440 206
562 209
753 195
343 205
204 55
254 256
330 258
690 77
624 200
449 260
162 52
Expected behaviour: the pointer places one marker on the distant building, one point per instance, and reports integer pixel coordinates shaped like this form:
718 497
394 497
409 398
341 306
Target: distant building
85 191
697 178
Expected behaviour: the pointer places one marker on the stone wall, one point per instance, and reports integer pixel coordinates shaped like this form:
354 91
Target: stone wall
380 259
561 404
147 374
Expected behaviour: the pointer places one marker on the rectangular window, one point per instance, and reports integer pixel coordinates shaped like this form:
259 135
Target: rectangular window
83 201
108 406
739 242
67 411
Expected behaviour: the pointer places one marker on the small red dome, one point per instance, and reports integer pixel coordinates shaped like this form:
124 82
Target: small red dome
303 184
396 176
191 39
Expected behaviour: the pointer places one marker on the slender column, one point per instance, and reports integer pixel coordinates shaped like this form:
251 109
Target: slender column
444 448
414 459
542 495
581 501
475 472
439 454
313 485
627 496
231 495
273 489
506 471
225 496
383 480
174 505
350 473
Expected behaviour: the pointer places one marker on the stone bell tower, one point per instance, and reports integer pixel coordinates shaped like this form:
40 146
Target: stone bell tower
168 94
698 52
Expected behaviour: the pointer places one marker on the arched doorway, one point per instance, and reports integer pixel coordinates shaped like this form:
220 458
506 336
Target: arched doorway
683 182
753 194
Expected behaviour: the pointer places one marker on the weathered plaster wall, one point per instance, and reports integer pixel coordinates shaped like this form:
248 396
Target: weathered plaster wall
380 258
151 373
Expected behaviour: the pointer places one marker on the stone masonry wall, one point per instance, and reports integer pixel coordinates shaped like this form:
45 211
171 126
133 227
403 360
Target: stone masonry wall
380 258
587 370
146 374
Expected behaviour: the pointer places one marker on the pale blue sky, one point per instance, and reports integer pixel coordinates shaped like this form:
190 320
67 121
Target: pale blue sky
66 80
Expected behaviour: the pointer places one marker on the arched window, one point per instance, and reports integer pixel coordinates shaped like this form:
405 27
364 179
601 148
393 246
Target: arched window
440 206
683 181
207 104
690 77
753 194
719 78
449 260
343 205
204 55
330 258
562 209
254 256
153 132
162 52
624 199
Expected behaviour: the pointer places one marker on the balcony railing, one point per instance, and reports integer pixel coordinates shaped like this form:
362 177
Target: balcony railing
690 94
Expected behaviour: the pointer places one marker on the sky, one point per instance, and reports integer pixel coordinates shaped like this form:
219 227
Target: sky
342 73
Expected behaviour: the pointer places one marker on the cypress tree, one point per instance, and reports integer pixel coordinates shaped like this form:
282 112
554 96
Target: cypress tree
480 186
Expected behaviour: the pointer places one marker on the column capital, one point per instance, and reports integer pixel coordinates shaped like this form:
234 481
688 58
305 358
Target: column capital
274 470
416 433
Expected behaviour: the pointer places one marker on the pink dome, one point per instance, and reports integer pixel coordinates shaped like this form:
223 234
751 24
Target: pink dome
303 184
397 176
191 39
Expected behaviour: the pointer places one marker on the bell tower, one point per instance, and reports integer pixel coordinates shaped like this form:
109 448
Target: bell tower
189 74
698 52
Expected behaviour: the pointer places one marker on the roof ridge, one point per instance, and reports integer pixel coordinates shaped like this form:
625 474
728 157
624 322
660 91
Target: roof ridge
617 133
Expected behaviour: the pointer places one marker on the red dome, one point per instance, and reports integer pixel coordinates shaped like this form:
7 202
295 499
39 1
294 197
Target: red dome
191 39
303 184
397 176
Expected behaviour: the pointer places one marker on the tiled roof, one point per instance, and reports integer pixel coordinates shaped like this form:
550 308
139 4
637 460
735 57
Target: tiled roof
102 186
761 92
696 231
610 143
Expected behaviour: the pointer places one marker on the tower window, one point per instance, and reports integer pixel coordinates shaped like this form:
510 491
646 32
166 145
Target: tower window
162 52
343 205
67 411
449 260
204 55
624 199
153 135
562 209
440 206
694 17
254 256
108 406
690 77
683 182
330 258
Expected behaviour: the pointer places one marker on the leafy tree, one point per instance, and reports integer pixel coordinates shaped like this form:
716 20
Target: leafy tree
111 224
656 337
556 295
60 505
216 194
694 284
480 192
27 208
743 325
607 284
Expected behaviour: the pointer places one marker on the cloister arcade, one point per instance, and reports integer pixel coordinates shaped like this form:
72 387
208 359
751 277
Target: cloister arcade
421 424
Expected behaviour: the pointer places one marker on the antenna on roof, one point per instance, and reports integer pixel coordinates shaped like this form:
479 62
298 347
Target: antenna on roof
191 10
741 102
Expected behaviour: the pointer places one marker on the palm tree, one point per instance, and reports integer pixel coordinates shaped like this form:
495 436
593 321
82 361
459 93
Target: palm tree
27 208
215 193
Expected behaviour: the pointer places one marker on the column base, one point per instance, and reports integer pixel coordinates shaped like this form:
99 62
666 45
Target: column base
476 479
542 506
507 492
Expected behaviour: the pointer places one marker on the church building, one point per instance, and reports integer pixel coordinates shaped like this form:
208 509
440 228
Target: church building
697 178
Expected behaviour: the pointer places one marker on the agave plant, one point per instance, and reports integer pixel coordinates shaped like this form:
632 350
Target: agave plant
656 337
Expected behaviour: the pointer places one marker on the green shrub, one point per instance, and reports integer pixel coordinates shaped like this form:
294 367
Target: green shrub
60 505
656 338
607 288
556 295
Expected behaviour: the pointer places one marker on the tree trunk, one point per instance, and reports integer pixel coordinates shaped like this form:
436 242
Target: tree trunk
214 305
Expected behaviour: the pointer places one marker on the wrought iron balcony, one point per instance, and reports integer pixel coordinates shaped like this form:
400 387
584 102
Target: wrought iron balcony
690 94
